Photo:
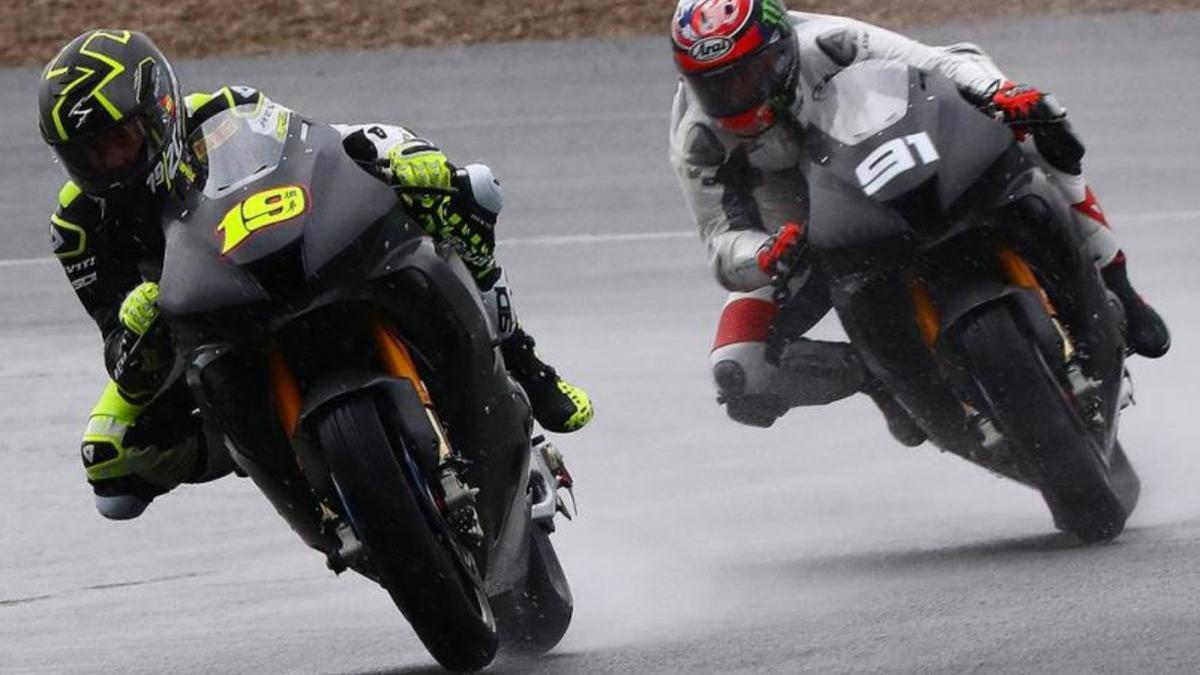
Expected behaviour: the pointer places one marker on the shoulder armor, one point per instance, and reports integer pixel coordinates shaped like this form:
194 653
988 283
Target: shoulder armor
839 45
76 215
201 106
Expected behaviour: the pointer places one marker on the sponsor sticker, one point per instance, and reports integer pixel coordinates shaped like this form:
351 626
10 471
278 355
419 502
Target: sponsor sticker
84 281
711 49
86 263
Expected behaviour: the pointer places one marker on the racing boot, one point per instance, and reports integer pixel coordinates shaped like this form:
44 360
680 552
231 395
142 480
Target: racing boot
557 405
902 426
1146 333
125 471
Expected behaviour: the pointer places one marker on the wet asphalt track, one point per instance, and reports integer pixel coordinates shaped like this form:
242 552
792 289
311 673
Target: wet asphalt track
816 546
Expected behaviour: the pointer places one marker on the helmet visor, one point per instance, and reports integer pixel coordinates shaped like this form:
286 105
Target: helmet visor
110 158
747 83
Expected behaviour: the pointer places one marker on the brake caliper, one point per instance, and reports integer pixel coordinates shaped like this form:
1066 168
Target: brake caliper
458 500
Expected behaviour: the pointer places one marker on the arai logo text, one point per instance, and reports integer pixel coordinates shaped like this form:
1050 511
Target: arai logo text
711 49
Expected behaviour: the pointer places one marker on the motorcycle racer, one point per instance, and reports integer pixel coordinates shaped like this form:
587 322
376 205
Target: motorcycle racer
111 110
736 143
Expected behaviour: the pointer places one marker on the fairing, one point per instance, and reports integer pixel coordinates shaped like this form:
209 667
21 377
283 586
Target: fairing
920 196
895 151
270 152
303 284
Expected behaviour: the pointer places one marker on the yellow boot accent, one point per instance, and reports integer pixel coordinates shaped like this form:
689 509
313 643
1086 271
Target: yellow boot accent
583 407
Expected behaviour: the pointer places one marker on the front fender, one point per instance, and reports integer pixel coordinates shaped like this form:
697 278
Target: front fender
410 420
1028 310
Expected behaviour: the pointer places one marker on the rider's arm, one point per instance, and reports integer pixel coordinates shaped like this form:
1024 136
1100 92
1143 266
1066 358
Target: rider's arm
368 144
718 187
839 41
104 274
466 218
99 271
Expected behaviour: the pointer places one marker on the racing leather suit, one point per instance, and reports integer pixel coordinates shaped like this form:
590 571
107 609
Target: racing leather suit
109 247
741 190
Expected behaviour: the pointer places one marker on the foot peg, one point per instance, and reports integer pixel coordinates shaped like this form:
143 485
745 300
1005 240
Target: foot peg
548 475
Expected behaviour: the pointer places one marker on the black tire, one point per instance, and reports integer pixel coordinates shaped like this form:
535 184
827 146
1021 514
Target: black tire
535 620
1030 406
410 549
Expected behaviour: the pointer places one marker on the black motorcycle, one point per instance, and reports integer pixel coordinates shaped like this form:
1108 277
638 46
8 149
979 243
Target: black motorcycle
347 363
965 290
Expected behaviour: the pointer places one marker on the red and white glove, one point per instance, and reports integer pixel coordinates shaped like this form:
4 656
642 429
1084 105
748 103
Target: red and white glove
1024 106
782 251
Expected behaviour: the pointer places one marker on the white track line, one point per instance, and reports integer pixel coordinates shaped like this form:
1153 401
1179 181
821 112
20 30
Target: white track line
665 235
570 239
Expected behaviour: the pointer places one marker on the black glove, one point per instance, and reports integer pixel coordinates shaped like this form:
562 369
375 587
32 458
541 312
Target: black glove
1026 109
1024 106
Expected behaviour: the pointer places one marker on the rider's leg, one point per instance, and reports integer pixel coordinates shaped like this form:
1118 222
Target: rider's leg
1059 150
746 383
133 453
1146 332
558 405
470 222
758 389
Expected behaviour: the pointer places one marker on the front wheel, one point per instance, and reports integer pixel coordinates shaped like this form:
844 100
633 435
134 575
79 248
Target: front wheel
430 578
1030 406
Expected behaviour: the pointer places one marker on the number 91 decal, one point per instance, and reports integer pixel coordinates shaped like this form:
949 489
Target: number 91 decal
894 158
260 211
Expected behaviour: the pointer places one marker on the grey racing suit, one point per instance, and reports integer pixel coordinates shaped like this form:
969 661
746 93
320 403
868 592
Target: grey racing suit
741 190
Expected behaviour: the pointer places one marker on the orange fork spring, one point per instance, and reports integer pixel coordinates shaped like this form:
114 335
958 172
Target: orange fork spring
1018 273
928 321
286 391
398 361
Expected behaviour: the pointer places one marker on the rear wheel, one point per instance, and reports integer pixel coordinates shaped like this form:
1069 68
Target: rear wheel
1030 406
430 577
534 619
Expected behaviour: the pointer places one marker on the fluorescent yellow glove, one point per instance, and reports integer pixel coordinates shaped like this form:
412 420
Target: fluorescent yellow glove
139 310
418 164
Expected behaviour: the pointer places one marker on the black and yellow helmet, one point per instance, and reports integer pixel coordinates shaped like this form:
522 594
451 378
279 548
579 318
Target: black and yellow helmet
109 107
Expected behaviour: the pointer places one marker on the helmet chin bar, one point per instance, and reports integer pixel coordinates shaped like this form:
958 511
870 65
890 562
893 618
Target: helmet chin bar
750 123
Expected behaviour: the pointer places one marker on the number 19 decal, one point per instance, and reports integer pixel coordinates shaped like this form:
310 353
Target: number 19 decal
261 210
894 158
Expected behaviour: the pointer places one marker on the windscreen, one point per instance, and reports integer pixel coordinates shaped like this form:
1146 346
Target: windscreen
862 101
238 146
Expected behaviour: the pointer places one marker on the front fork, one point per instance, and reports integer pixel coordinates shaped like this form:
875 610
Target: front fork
1016 272
455 499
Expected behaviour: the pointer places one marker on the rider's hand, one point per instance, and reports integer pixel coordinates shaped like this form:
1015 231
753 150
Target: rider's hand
418 164
1024 106
139 358
139 310
780 253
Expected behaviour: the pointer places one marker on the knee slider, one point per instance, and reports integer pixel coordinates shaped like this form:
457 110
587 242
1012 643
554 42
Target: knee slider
756 411
120 507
